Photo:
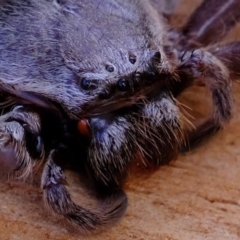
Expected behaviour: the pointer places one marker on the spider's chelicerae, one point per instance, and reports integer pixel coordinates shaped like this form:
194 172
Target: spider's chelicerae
98 81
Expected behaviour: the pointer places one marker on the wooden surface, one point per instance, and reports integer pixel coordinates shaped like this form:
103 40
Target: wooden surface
195 197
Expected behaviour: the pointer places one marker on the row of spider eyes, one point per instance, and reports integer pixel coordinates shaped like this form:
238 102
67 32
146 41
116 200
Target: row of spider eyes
129 83
122 84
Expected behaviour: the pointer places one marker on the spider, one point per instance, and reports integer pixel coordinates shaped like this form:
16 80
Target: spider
98 82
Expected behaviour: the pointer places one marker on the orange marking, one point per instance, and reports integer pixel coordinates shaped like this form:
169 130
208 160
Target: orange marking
83 128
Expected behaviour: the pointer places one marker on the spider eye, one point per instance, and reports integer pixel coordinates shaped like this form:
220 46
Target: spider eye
110 68
132 58
123 85
88 84
85 84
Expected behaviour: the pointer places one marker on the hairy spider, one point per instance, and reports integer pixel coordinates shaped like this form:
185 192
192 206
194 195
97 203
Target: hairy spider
110 70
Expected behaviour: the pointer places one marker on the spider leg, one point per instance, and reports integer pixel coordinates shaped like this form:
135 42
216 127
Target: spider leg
229 54
21 146
201 67
211 21
58 200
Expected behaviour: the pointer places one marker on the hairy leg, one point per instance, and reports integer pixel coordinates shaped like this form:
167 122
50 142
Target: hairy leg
229 54
211 21
201 67
58 200
21 146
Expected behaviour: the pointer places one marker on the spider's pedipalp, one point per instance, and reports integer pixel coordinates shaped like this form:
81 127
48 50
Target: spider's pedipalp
112 148
58 200
21 146
158 129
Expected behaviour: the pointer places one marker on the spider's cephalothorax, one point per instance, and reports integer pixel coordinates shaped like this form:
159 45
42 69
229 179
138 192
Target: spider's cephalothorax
77 54
113 70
